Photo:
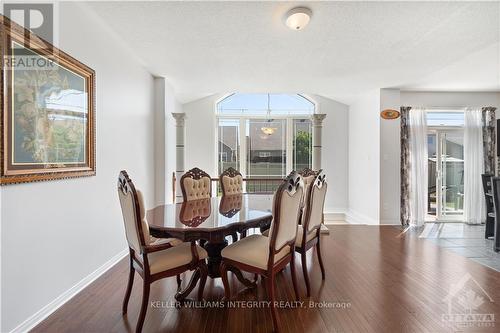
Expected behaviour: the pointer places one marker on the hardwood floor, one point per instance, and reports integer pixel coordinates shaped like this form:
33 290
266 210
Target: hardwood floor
387 280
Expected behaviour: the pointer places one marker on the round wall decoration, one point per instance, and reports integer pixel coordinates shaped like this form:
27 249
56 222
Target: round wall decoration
390 114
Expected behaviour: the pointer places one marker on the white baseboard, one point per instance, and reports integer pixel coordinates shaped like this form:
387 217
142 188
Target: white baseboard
354 217
334 217
390 222
47 310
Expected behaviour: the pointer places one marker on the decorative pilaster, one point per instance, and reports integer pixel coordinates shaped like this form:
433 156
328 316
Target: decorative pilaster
317 120
180 138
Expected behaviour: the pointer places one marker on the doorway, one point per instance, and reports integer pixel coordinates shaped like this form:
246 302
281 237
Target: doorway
446 175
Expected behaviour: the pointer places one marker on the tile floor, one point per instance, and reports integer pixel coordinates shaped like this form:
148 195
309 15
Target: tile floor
463 239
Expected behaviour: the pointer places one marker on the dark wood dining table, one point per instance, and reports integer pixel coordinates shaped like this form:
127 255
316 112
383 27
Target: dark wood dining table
210 221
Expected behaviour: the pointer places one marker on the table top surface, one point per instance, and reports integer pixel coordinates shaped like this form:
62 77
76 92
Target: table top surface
212 213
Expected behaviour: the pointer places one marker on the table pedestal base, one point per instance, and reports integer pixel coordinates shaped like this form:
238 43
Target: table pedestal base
214 257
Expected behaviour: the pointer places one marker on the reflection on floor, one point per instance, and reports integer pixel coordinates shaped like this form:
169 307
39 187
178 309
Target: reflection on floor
465 240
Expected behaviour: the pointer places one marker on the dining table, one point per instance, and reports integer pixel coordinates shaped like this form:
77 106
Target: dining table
210 221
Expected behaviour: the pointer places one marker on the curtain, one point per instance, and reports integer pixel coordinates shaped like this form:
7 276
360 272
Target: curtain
405 167
489 139
417 123
473 166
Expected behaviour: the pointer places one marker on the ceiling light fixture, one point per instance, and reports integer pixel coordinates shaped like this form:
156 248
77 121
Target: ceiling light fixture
297 18
268 130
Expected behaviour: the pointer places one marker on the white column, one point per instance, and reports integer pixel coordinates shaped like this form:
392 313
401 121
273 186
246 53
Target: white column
180 138
317 120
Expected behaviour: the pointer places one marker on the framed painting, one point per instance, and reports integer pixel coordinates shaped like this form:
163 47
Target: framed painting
48 110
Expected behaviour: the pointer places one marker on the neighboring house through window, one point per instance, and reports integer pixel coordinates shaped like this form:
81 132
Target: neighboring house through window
264 135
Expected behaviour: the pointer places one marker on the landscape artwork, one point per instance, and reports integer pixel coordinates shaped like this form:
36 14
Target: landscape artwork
48 111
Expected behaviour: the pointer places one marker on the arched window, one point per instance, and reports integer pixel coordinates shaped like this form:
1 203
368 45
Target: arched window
264 135
264 104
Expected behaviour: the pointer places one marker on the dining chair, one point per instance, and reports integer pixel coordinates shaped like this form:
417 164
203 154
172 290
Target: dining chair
308 176
196 184
153 261
489 229
308 232
231 182
496 203
266 256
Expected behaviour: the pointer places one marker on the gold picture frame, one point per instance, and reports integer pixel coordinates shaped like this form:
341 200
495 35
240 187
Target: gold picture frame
48 110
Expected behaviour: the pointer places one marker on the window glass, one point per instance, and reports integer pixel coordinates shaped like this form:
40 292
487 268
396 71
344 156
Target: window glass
445 119
229 144
277 134
266 148
302 144
263 104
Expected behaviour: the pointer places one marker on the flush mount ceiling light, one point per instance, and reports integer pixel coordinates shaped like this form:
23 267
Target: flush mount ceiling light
297 18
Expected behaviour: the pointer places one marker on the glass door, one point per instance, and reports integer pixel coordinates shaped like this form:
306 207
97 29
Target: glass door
446 175
452 175
432 169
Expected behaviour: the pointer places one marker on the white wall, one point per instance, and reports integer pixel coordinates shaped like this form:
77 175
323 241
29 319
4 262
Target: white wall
54 234
390 136
165 104
364 159
172 105
201 146
160 140
335 152
390 151
450 99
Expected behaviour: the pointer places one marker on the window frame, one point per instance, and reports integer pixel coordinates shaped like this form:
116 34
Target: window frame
243 118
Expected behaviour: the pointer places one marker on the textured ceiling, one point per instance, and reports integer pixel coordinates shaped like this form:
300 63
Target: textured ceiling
348 47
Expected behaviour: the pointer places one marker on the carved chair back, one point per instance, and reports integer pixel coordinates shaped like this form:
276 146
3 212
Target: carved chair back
286 213
196 184
308 176
231 182
495 182
134 213
312 216
487 189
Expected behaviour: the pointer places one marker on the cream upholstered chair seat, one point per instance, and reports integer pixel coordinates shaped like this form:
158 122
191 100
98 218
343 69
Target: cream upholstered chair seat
173 257
300 233
253 250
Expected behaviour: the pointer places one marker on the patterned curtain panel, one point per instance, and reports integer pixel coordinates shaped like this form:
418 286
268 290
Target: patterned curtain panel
489 139
405 167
